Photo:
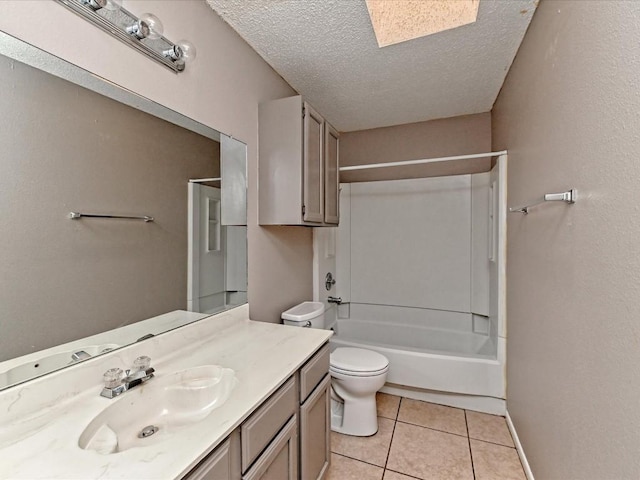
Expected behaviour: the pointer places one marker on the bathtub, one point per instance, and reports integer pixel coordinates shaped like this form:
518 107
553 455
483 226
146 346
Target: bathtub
427 349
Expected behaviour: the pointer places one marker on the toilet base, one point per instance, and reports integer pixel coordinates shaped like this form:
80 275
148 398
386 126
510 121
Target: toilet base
361 417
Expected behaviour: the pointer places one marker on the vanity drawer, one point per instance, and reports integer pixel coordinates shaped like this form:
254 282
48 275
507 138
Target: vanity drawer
313 372
267 421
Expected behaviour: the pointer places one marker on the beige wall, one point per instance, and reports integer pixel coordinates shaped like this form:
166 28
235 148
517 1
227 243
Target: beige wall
435 138
221 89
568 113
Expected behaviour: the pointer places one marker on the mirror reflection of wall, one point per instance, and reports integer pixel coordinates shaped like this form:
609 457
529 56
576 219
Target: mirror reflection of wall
66 148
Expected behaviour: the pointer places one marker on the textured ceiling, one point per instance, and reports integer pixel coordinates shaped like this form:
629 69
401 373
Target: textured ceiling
327 51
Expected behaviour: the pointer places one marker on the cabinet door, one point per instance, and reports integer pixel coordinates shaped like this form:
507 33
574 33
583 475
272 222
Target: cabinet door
313 198
331 180
222 464
280 460
315 432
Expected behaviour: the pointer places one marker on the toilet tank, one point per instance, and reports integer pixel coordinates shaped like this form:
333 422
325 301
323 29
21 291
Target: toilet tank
306 314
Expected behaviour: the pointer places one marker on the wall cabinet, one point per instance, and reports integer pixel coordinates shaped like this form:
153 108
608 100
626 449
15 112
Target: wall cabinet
285 438
297 165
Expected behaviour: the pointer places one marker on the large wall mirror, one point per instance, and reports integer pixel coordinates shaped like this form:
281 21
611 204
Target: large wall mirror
73 288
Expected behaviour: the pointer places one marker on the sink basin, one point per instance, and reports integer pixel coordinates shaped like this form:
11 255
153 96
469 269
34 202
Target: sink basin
158 408
49 363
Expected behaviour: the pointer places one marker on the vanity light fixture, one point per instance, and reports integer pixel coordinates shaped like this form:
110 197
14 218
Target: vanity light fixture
143 33
148 26
98 4
183 49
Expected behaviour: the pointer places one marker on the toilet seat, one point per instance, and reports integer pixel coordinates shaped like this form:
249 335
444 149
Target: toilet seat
350 373
358 362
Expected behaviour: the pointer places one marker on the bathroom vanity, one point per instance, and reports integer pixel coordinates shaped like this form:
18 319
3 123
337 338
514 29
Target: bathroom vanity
286 438
272 423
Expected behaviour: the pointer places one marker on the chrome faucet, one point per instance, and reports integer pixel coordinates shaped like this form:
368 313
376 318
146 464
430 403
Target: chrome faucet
115 384
336 300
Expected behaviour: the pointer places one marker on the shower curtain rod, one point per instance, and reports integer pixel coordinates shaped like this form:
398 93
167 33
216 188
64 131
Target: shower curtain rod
426 160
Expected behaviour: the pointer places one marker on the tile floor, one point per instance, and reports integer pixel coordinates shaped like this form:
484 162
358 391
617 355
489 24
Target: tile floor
420 440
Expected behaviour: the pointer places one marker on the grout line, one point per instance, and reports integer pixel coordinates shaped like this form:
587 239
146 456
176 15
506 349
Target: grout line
356 459
473 468
492 443
392 433
434 429
402 473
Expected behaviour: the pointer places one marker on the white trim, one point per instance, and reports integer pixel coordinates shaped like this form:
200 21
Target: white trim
193 247
201 180
425 160
477 403
516 441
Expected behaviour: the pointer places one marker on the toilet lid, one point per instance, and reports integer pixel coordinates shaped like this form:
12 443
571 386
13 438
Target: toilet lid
358 360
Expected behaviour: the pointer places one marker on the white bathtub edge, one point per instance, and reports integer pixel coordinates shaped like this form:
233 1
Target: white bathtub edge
519 449
432 372
477 403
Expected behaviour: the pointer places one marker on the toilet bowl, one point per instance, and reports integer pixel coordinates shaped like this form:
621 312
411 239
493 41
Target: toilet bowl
356 375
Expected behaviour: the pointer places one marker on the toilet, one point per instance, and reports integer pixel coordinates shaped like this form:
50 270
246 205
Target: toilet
356 375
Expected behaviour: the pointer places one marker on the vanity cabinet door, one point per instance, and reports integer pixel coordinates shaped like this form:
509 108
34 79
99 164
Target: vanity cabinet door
280 460
315 432
222 464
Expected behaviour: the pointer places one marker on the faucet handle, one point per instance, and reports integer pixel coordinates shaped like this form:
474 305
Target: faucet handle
141 363
112 377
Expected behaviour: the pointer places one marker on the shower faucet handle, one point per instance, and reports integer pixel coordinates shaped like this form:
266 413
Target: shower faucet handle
329 281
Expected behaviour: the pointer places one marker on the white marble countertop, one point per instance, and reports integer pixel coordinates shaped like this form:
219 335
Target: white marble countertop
42 419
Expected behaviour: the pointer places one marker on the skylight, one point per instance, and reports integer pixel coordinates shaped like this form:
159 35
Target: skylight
396 21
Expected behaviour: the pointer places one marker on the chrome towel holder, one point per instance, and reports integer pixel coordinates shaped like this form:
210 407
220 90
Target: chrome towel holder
568 197
78 215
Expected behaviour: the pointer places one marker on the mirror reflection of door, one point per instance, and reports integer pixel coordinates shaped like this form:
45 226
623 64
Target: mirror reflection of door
206 250
211 281
217 254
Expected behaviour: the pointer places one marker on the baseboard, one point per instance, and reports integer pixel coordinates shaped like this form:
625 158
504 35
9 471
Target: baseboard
491 405
516 441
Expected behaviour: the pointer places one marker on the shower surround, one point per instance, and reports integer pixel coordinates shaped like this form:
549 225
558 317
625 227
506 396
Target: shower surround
418 264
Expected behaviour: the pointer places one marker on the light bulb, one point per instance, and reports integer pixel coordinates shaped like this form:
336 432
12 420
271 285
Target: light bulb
147 26
188 50
154 24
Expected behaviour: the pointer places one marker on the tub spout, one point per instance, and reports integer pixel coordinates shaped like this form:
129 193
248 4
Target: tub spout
336 300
